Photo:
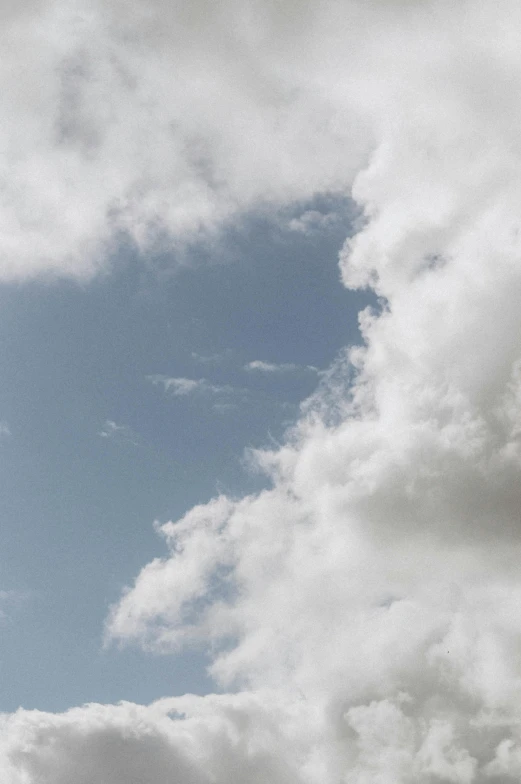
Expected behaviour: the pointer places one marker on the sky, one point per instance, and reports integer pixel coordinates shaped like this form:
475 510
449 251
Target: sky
260 274
127 401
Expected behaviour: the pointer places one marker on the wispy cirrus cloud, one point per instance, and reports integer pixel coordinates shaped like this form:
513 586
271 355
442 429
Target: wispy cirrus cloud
222 398
212 359
313 221
182 387
111 430
5 430
261 366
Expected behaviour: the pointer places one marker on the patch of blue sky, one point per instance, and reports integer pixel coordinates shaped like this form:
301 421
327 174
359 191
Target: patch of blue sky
95 451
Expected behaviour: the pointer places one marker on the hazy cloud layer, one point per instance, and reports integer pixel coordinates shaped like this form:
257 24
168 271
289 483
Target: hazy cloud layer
368 604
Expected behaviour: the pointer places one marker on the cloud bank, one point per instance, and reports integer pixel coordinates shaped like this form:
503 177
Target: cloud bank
366 607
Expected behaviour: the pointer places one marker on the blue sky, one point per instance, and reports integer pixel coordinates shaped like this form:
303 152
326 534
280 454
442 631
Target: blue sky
97 452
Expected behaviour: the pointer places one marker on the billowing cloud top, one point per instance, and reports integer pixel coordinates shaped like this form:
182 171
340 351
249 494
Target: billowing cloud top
367 606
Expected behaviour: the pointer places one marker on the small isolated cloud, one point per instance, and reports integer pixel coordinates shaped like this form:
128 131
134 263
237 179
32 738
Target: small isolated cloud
280 367
181 387
112 430
178 386
4 429
312 220
212 359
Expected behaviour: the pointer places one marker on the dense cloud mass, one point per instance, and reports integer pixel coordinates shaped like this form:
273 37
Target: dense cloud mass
158 121
366 609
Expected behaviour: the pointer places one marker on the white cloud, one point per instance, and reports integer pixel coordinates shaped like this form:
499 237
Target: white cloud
212 359
312 220
5 430
280 367
119 432
178 386
188 739
110 428
375 587
368 604
145 119
181 387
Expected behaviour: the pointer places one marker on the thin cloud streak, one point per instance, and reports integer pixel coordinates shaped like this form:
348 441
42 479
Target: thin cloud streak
182 387
282 367
111 430
212 359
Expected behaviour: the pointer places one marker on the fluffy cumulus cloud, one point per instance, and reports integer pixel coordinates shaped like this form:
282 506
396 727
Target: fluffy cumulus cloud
364 612
154 122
